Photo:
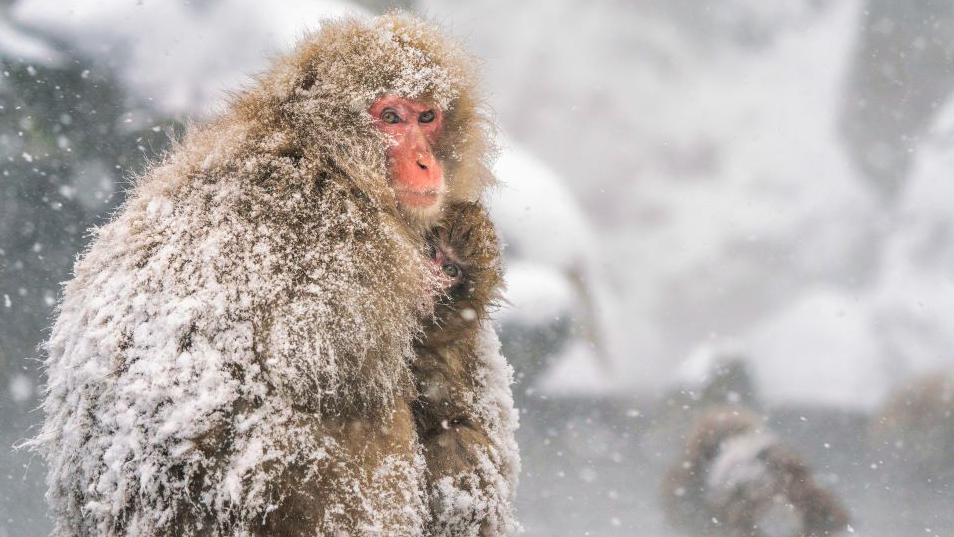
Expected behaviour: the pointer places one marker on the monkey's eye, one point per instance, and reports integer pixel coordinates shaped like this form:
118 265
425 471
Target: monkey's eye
426 117
389 115
450 270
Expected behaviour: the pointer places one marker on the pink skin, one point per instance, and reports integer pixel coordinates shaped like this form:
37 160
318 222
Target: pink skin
414 126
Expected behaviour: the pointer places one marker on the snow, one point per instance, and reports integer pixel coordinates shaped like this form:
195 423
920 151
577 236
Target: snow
535 293
468 502
577 371
538 216
181 55
21 388
913 301
820 351
738 463
553 269
699 368
850 349
16 44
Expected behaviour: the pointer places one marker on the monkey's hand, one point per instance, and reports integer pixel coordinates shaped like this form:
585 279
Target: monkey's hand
469 492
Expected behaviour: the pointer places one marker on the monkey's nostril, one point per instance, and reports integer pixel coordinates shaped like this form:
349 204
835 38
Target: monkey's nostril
422 165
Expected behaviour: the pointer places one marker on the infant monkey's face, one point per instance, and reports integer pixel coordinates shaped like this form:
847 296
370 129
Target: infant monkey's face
455 307
449 269
464 253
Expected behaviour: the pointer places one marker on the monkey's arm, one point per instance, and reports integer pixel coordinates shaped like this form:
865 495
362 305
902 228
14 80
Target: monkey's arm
360 476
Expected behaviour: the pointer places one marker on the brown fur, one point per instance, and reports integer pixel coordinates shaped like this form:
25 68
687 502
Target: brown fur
244 327
455 434
914 430
784 484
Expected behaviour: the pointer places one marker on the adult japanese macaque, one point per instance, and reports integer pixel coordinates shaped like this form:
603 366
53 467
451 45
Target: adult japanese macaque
233 355
736 479
458 411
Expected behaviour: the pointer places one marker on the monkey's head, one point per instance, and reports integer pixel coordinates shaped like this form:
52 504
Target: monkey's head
414 170
465 255
389 103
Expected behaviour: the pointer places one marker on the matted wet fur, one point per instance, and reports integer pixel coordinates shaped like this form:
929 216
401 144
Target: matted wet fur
232 355
735 479
467 436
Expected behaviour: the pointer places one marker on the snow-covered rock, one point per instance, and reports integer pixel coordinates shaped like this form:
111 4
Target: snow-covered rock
554 281
538 215
819 351
914 299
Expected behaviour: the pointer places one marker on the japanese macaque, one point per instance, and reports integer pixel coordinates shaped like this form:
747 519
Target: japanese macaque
233 355
457 416
736 479
914 431
710 377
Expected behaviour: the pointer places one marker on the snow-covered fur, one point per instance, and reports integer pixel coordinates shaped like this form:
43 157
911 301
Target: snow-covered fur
736 479
232 355
478 500
465 409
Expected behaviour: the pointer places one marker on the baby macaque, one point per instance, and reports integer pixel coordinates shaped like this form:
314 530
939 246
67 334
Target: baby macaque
470 477
736 479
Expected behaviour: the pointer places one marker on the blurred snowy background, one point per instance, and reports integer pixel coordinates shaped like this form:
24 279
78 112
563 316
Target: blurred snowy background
686 185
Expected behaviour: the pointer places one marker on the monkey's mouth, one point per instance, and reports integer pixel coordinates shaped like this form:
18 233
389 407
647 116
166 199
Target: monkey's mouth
418 199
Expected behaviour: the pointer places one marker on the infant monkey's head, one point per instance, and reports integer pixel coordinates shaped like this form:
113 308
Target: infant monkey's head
466 257
448 267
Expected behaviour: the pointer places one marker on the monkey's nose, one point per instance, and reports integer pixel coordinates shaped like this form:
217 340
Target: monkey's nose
421 164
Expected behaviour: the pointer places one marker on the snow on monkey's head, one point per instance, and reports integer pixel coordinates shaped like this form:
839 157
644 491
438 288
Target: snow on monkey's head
391 103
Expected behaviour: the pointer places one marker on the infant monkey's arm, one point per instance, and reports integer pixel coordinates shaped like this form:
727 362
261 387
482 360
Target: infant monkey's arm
470 477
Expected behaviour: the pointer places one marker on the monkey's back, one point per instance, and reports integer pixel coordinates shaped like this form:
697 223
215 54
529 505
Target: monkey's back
735 478
214 339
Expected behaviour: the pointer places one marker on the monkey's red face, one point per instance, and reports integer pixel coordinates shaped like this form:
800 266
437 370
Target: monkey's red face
415 171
